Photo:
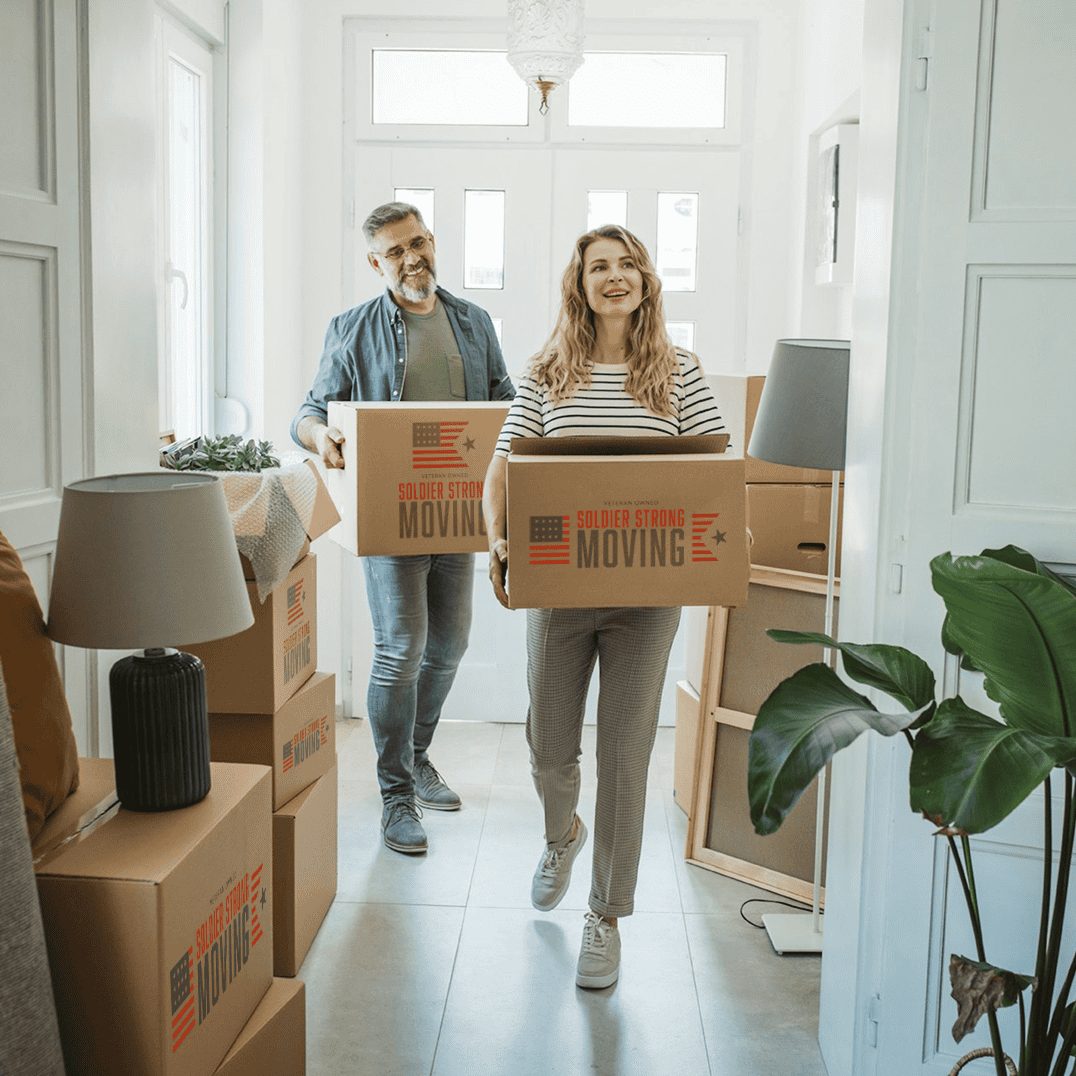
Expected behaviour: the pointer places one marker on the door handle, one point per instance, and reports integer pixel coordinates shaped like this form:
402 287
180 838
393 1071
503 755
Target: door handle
178 274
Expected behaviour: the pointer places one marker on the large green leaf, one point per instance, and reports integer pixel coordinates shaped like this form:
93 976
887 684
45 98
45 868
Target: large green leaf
892 669
969 771
806 720
1018 627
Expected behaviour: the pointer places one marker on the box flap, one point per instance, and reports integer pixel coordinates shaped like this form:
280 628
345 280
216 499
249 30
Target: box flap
324 514
94 798
619 446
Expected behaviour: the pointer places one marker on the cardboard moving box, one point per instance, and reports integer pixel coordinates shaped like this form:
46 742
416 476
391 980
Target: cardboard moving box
273 1042
258 670
323 516
413 475
790 526
160 930
650 521
298 741
91 803
304 870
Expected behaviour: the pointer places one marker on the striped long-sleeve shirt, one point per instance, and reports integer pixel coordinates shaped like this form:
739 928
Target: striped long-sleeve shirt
605 409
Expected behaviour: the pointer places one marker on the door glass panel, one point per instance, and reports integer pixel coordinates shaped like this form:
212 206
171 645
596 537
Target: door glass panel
607 207
682 334
447 87
648 89
678 239
483 239
186 367
421 198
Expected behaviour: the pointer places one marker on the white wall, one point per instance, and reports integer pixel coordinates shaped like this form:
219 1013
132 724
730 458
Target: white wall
123 237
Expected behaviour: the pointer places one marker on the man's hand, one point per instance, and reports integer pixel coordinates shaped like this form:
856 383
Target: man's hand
498 569
322 439
328 440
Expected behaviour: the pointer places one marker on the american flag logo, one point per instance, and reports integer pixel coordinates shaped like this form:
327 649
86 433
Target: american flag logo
256 931
295 602
433 445
704 530
288 757
549 540
181 980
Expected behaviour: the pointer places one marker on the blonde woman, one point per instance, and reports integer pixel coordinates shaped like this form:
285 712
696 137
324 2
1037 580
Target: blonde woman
608 368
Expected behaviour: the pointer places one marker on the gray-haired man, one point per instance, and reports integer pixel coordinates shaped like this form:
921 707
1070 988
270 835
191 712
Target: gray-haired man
413 342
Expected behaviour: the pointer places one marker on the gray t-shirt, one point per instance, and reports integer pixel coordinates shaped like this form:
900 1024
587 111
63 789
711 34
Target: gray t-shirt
434 363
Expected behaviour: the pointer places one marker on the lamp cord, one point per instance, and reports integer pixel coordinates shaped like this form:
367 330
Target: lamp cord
802 907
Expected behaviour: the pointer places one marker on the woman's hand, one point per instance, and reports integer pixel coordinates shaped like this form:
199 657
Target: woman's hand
498 569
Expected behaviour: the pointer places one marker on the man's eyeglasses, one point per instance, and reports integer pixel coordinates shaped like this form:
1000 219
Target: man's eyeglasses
418 245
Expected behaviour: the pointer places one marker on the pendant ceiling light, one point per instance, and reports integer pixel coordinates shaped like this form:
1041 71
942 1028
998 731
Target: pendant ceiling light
545 42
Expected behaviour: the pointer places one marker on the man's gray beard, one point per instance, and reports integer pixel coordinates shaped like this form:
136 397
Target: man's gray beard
418 295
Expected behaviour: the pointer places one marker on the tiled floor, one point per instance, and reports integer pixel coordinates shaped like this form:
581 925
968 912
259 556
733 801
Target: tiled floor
438 965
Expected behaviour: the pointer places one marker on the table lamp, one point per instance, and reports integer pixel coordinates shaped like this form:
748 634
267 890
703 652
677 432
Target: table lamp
801 422
144 560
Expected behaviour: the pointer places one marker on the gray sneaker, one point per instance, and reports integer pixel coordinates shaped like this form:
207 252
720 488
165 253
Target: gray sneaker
599 955
555 872
400 827
431 790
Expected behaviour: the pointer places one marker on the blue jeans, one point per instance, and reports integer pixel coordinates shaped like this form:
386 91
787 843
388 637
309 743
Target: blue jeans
421 610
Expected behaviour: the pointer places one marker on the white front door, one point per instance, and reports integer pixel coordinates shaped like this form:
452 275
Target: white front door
41 369
682 203
982 453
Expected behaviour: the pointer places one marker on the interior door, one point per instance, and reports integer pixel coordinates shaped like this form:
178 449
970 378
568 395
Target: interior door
41 406
981 455
684 206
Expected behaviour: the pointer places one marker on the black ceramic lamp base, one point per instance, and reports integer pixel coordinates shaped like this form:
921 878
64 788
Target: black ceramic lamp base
160 731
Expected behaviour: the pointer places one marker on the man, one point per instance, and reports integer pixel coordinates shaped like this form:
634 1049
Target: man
414 342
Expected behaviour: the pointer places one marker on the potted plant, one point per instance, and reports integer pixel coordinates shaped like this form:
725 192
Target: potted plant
228 452
1013 620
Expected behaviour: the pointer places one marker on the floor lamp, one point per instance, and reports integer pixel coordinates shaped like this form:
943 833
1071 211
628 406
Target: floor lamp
801 422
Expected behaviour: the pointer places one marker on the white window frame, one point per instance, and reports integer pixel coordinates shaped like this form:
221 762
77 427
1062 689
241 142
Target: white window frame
455 36
173 39
363 35
661 40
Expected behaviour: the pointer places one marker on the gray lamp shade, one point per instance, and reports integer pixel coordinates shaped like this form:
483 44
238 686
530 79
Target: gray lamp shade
803 411
146 560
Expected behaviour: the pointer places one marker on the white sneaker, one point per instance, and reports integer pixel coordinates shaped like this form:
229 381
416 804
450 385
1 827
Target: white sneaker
555 872
599 955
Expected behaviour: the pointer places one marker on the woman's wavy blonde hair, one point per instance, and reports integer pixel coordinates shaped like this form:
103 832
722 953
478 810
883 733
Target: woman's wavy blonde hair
562 364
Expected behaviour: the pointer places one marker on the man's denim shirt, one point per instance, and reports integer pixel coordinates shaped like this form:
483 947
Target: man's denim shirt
365 356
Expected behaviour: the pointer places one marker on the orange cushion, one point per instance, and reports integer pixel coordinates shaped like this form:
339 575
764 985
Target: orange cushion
44 739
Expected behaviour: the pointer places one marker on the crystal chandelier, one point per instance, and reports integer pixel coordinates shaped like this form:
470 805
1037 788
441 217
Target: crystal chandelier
545 42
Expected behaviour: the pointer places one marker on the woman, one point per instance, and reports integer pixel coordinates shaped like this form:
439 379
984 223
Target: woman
608 369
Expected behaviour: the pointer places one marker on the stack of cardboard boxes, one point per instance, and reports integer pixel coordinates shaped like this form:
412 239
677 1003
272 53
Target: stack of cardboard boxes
160 932
788 515
787 507
268 705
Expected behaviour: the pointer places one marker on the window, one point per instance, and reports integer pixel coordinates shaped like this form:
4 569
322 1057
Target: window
678 240
428 86
648 89
421 198
682 334
184 233
607 207
483 239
